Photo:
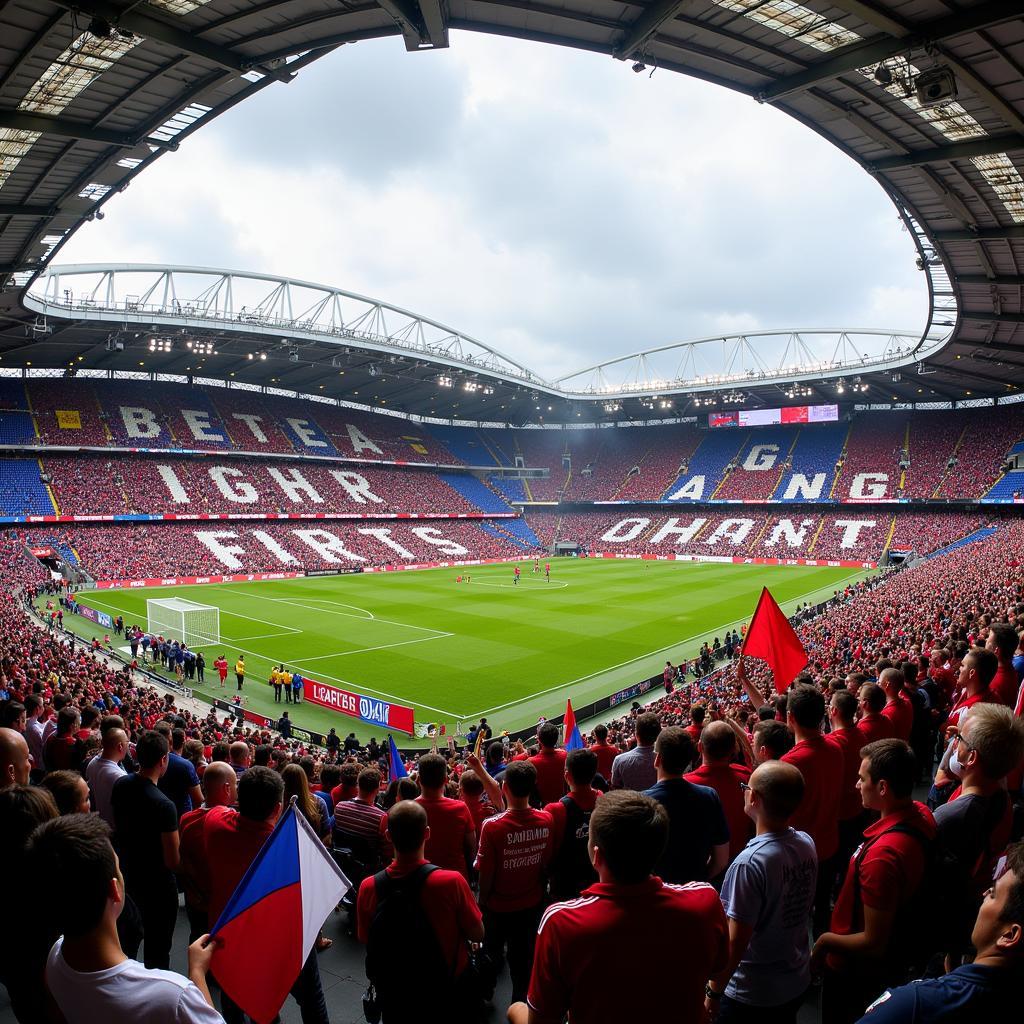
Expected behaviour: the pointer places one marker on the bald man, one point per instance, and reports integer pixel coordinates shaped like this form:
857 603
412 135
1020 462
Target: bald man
239 756
105 770
15 762
767 895
220 789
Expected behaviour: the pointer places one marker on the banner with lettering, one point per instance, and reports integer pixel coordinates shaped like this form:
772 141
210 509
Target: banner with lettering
371 710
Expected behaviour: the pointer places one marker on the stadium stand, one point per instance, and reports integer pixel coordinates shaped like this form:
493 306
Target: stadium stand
705 468
812 463
22 492
759 467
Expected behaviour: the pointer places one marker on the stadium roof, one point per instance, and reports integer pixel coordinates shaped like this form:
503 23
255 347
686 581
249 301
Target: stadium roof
927 98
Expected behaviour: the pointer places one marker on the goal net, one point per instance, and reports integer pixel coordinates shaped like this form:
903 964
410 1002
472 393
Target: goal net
194 624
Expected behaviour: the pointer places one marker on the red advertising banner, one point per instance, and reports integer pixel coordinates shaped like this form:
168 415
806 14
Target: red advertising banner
371 710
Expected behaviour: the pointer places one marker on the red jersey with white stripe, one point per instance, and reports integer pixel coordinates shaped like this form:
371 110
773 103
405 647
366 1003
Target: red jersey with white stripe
586 949
515 847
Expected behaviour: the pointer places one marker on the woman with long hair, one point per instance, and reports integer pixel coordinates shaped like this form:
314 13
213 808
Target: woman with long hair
314 810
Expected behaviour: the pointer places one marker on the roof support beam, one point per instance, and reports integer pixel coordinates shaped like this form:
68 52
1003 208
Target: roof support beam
871 51
1004 234
132 19
1009 280
423 23
36 212
992 318
873 16
19 120
651 19
987 146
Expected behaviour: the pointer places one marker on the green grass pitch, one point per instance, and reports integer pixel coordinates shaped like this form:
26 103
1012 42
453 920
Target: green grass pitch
456 651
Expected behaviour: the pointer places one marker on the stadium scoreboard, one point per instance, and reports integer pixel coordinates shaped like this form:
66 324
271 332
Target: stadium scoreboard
770 417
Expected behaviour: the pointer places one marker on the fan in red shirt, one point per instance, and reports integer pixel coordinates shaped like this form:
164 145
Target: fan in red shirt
883 876
977 671
451 843
446 900
604 750
233 839
570 870
821 764
220 787
471 790
696 725
221 665
1002 641
515 847
898 710
873 725
718 748
550 764
678 932
844 735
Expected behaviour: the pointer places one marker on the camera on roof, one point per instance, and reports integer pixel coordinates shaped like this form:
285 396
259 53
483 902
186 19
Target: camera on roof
935 87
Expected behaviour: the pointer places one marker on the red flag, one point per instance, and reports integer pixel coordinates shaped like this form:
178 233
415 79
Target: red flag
772 638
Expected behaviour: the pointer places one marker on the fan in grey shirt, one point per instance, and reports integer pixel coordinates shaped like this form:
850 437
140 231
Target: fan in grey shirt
635 769
767 896
105 770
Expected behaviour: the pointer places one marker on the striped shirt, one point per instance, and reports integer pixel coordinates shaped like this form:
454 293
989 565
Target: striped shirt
359 823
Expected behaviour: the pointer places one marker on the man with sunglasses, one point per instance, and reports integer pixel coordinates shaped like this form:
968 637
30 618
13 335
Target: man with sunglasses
988 988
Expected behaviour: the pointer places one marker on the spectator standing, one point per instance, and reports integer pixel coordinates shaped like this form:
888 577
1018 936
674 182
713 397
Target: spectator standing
767 896
604 750
987 989
974 825
844 735
872 725
515 847
634 769
146 834
87 974
415 905
15 760
200 667
860 950
359 827
698 836
719 771
34 726
181 780
821 764
550 765
64 750
570 871
1002 641
220 789
105 770
898 709
679 933
233 838
451 843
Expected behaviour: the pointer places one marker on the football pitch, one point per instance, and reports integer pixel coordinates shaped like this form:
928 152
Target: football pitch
456 651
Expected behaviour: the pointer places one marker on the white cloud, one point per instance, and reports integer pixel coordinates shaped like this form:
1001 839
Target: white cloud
550 203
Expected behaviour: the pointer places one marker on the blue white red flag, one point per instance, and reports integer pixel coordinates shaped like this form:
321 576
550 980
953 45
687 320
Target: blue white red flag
274 916
570 730
396 767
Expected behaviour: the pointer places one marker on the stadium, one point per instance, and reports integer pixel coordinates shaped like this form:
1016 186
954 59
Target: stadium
270 524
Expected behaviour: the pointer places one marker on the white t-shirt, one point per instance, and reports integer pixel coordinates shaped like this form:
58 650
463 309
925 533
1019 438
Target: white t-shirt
127 992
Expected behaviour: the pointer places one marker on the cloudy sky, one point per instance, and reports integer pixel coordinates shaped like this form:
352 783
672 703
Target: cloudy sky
550 203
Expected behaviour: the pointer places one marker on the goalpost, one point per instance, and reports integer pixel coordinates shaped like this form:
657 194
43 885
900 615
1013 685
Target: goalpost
194 624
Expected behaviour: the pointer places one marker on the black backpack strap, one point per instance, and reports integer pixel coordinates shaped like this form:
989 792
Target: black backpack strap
900 827
385 884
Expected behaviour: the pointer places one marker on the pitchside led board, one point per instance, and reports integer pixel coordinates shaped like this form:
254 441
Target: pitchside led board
770 417
370 710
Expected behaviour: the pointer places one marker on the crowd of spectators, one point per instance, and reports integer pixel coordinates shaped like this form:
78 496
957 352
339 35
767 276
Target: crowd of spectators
742 841
100 486
151 550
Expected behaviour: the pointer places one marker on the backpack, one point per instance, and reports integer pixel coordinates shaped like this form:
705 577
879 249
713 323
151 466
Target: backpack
570 869
404 959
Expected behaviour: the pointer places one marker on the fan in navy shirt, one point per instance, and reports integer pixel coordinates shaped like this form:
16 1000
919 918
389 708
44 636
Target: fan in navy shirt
989 988
698 836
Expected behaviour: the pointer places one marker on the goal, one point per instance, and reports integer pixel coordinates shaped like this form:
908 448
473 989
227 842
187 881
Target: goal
194 624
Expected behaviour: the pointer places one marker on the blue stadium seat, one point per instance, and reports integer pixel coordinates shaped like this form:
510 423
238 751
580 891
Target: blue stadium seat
21 490
476 492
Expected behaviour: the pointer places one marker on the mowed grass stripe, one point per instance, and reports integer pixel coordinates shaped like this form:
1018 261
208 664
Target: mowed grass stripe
513 651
